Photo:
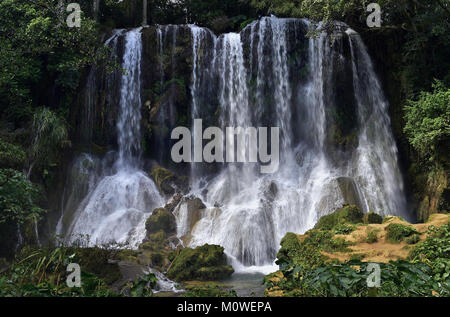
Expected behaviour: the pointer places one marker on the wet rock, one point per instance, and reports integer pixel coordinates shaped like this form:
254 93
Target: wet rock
350 193
161 219
168 183
207 262
188 213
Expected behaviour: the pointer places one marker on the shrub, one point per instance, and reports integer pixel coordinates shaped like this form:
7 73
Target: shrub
397 232
372 237
412 239
11 156
428 120
372 217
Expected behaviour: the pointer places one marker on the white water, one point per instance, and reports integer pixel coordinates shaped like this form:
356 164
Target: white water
255 77
252 220
119 198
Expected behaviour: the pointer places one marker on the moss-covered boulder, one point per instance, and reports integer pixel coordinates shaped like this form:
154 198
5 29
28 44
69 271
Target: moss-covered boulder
372 217
161 219
207 262
347 214
168 183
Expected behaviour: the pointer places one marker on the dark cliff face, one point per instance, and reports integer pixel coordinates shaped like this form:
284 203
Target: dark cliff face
167 79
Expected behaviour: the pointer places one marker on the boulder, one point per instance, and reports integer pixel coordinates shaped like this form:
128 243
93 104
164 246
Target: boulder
168 183
347 214
188 213
350 192
161 220
207 262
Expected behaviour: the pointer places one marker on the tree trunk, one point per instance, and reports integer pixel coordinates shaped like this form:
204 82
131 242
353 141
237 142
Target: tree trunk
144 13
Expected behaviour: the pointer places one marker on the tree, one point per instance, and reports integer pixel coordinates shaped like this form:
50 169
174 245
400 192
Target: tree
428 121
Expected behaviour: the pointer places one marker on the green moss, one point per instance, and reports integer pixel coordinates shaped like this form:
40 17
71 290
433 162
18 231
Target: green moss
347 214
161 220
395 232
167 181
207 262
372 217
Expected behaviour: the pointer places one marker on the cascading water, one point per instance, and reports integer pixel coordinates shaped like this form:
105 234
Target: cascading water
336 145
271 75
118 197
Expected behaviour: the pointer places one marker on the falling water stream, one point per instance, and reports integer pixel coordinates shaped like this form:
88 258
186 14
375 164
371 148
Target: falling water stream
269 74
120 197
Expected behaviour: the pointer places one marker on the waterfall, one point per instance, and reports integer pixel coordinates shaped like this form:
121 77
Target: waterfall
336 144
376 157
117 196
271 74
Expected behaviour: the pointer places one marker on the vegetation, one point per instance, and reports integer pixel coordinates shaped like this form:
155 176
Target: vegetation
372 236
43 63
372 217
396 232
42 272
425 272
348 213
428 122
207 262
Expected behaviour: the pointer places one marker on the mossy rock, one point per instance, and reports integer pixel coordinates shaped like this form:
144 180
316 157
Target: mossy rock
347 214
296 252
168 183
372 218
161 219
207 262
396 232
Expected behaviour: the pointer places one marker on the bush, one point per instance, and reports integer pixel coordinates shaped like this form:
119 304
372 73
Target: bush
11 156
372 237
396 232
435 251
14 186
412 239
372 217
428 120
